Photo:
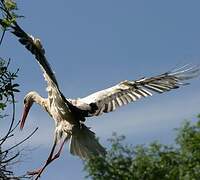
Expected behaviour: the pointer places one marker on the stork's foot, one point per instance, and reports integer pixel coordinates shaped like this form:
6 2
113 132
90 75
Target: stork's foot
35 172
39 171
50 159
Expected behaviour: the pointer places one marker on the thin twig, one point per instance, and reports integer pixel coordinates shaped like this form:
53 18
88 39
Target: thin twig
10 159
12 122
15 126
3 34
11 135
5 154
22 141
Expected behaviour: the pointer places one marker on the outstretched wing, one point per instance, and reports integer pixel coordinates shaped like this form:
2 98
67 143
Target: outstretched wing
35 47
128 91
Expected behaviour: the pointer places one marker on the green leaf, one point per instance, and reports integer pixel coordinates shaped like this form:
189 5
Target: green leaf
15 90
153 162
15 85
2 106
10 5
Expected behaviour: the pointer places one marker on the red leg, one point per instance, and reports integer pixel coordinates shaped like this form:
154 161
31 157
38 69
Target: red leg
59 151
51 158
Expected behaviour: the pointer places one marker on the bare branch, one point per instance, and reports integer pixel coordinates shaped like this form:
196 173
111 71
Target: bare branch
12 121
22 141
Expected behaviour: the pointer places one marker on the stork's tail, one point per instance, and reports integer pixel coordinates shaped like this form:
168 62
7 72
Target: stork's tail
84 144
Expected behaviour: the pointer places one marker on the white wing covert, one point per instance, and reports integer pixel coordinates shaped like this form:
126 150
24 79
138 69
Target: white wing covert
128 91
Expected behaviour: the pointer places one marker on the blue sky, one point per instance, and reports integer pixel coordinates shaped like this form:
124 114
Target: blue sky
92 45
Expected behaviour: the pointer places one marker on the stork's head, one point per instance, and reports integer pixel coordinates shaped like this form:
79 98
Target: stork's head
29 99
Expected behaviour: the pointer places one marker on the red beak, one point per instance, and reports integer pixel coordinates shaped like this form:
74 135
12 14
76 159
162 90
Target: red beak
25 114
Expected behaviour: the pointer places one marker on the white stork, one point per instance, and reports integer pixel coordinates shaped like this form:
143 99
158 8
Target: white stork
69 115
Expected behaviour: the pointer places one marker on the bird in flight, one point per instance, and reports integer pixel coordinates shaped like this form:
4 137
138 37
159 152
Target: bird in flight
70 114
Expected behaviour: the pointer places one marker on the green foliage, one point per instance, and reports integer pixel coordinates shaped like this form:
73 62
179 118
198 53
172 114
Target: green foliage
7 22
8 13
153 162
189 141
7 88
10 5
8 156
